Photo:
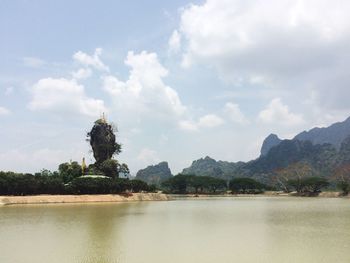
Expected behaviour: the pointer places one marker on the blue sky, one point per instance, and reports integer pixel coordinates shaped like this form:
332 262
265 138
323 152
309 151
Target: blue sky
180 79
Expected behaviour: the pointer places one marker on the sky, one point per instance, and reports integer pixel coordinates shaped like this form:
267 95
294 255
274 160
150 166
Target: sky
181 80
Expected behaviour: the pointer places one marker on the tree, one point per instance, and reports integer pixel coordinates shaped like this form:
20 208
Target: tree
314 184
216 184
342 177
246 185
138 186
69 171
292 175
109 168
178 184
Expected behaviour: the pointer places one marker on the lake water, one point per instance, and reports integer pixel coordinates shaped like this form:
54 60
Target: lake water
243 229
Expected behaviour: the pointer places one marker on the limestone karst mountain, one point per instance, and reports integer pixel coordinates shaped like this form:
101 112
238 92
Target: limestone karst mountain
334 134
323 149
155 174
269 142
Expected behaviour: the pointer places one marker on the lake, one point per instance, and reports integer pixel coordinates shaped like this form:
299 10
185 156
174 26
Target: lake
237 229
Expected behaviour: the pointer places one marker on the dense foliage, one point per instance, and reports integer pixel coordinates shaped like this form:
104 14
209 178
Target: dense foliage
181 184
52 183
246 186
309 184
28 184
69 171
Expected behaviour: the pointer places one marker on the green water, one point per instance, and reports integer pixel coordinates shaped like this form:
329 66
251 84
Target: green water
214 230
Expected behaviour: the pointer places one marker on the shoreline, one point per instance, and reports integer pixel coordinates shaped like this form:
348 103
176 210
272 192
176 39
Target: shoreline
136 197
70 199
266 194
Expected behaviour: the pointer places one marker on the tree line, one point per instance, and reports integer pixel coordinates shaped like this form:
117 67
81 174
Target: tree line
67 181
192 184
183 184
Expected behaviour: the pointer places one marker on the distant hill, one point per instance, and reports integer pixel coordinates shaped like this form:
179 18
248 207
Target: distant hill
323 149
322 157
155 174
209 167
335 134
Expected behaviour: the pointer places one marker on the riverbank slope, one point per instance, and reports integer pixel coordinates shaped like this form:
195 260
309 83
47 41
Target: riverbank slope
52 199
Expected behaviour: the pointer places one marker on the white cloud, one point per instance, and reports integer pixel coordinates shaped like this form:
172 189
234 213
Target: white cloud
206 121
63 95
144 92
148 156
187 125
174 42
92 61
278 113
82 73
4 111
33 62
234 113
241 30
291 45
210 121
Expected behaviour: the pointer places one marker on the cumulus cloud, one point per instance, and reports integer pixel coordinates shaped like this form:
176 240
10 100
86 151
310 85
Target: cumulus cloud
206 121
93 61
278 113
63 95
4 111
82 73
144 92
234 113
174 42
187 125
210 121
290 45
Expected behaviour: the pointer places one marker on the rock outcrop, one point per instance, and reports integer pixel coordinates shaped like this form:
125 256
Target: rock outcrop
102 141
269 142
155 174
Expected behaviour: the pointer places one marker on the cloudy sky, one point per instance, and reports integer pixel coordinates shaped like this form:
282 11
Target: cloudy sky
180 79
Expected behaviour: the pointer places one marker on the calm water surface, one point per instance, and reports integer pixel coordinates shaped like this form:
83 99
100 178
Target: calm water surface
251 229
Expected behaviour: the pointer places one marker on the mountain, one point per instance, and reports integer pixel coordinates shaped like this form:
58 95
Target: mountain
322 149
335 134
155 174
209 167
322 157
269 142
